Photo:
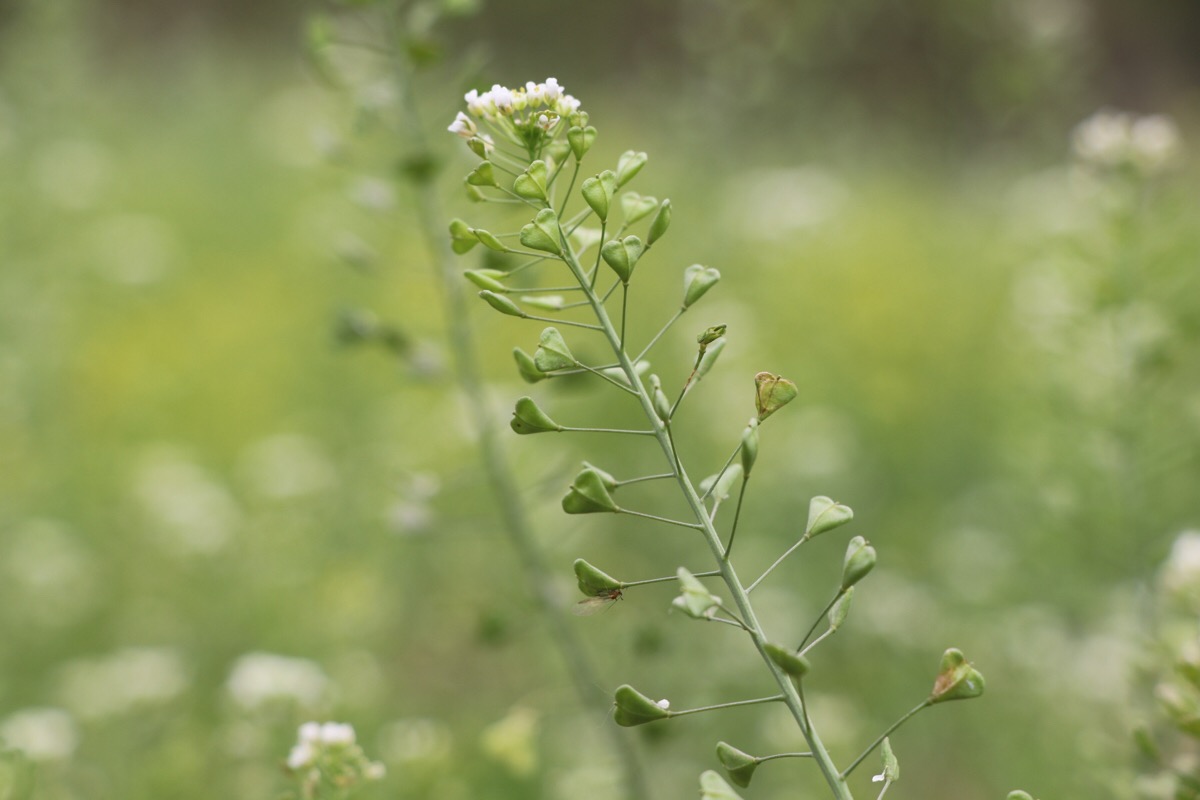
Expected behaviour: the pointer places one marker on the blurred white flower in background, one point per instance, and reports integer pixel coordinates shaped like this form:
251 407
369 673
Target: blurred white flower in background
1111 138
416 739
42 734
512 741
287 465
774 203
133 249
72 173
258 678
50 571
1182 569
190 512
127 679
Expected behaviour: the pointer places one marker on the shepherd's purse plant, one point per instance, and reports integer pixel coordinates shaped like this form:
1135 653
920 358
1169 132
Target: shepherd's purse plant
531 143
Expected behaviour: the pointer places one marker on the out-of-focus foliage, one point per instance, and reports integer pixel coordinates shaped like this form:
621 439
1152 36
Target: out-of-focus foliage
216 524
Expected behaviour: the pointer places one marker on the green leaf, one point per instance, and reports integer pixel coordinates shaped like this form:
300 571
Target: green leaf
825 515
528 418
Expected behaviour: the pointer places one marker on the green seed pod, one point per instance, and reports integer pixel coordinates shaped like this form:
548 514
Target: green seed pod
708 359
588 494
749 446
556 153
635 207
698 601
483 175
593 582
662 406
552 352
660 223
543 233
502 304
608 480
860 560
724 486
739 765
628 165
795 666
526 368
581 140
478 146
622 255
546 302
772 393
489 241
825 515
957 679
841 609
714 787
1017 794
486 279
697 280
891 765
598 192
531 184
528 418
474 194
461 238
634 708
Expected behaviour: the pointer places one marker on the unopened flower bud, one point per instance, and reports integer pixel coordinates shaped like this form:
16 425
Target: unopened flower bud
634 708
739 766
529 418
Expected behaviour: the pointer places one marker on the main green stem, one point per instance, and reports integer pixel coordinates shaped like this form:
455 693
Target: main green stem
504 490
740 597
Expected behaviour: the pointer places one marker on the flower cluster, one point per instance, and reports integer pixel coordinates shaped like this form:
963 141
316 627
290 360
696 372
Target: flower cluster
327 756
525 116
1111 139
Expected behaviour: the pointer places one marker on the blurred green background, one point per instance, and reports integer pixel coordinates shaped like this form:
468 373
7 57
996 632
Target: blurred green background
216 522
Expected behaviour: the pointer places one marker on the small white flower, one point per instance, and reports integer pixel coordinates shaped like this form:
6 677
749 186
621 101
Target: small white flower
664 704
476 103
567 105
535 93
544 122
301 755
337 733
310 732
502 99
551 90
1103 138
463 126
375 771
1156 141
878 778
